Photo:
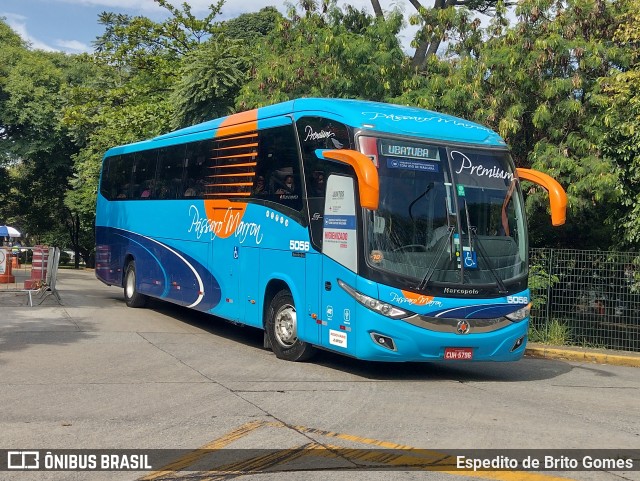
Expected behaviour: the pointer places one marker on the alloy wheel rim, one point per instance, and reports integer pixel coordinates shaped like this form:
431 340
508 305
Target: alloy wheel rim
131 284
285 326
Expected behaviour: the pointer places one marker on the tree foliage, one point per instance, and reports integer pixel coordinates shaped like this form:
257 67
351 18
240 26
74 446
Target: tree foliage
534 83
327 52
560 84
619 100
36 150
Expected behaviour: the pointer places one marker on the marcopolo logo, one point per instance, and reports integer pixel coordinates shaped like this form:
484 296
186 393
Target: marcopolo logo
461 292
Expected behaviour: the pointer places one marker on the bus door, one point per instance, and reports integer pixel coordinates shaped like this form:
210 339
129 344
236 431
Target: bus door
249 294
340 263
226 265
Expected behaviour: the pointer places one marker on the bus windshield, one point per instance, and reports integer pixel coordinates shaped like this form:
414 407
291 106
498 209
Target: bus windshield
448 215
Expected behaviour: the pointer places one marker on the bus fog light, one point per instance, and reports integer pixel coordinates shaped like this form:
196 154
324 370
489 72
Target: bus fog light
518 343
383 341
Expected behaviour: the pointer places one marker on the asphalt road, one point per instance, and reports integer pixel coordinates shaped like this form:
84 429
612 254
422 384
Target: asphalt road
94 374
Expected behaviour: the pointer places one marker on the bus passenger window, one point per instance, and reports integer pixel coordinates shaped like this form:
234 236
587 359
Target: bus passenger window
278 168
170 172
195 168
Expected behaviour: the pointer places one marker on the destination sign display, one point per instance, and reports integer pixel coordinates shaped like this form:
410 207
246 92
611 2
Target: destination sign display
407 150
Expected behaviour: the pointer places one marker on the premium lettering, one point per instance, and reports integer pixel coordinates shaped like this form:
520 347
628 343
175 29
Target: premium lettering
479 170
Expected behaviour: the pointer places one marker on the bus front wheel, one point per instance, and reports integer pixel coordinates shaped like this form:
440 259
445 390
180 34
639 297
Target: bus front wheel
282 329
131 295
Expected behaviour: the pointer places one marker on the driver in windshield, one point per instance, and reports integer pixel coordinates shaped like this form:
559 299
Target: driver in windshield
442 231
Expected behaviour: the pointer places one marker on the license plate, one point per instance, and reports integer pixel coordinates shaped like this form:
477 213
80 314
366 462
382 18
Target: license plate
458 354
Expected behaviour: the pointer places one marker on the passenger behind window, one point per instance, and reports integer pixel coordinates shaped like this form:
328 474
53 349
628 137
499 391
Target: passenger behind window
191 190
146 192
278 179
259 186
442 231
162 191
287 187
317 184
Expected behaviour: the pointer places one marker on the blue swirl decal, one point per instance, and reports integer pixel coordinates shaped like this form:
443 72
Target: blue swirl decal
163 271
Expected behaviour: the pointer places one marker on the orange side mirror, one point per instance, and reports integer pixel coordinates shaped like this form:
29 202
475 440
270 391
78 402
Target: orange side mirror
557 195
368 182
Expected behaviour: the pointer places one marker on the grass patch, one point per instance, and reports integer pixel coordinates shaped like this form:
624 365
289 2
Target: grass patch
555 332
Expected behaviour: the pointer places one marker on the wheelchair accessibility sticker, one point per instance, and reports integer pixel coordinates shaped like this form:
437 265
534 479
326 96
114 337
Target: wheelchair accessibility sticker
470 259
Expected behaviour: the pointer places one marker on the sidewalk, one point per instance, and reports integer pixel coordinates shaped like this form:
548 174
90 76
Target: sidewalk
73 286
579 354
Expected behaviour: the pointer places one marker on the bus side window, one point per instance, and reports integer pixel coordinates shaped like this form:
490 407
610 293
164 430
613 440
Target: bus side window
279 165
320 133
170 167
118 178
195 163
144 174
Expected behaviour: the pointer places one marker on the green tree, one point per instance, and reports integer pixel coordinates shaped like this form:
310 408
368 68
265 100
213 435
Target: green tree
127 96
36 149
534 83
11 49
252 27
327 51
212 74
619 98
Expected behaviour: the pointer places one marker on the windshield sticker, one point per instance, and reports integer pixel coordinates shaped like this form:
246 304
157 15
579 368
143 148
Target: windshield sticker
470 258
412 165
479 170
460 190
314 136
411 151
376 257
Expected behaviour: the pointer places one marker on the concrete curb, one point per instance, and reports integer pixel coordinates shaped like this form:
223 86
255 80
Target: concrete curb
630 359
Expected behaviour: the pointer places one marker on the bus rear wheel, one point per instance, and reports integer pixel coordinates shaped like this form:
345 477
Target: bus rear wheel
282 329
131 295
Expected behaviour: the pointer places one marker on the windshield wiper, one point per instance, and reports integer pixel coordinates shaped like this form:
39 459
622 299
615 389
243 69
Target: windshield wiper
429 187
472 231
501 287
432 268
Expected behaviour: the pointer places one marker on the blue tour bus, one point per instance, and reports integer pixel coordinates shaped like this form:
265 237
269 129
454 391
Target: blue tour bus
378 231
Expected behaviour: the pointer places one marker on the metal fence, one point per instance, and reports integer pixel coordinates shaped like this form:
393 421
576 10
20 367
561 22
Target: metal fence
585 298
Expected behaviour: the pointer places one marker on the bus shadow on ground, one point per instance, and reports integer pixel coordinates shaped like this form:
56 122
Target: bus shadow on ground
524 370
527 369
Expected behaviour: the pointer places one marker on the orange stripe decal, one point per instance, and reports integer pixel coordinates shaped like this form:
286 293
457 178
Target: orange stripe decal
224 216
239 123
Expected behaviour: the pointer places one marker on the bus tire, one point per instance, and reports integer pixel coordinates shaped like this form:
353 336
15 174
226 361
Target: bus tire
281 328
131 295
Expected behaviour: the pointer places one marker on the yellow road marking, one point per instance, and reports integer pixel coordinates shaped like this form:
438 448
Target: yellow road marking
202 451
409 457
260 463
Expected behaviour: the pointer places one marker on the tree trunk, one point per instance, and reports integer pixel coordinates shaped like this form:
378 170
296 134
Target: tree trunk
377 9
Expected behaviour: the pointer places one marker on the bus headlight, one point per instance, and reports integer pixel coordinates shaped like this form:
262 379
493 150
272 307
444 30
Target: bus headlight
520 314
374 304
